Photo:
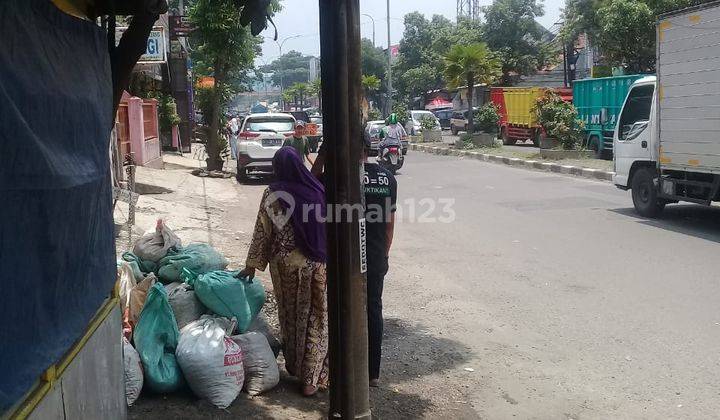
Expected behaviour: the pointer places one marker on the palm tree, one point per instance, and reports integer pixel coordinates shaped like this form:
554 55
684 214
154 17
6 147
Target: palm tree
300 90
315 89
466 65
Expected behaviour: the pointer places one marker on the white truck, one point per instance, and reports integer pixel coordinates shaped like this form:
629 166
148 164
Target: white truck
667 140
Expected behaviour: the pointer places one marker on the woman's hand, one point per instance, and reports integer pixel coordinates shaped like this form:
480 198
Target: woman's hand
247 272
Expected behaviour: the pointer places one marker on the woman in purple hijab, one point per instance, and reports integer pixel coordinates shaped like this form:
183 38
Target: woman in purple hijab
289 237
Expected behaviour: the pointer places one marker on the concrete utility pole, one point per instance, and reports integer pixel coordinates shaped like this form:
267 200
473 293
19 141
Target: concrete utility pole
389 63
347 284
373 23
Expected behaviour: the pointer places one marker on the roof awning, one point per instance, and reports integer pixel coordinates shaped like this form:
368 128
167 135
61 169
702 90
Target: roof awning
438 103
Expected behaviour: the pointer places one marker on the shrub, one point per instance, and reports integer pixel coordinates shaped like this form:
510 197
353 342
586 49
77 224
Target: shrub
487 118
427 122
559 120
400 109
374 114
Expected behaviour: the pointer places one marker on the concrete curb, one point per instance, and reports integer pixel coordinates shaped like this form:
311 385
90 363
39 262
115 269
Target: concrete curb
589 173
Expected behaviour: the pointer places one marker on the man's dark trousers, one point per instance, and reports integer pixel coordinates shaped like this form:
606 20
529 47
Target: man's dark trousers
375 280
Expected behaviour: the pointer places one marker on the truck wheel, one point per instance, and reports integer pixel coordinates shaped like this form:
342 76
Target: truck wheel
594 145
644 194
453 130
506 137
536 138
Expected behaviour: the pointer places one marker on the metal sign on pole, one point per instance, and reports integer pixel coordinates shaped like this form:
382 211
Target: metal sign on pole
341 94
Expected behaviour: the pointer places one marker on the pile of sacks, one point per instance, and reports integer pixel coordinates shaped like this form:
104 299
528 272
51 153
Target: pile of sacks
189 322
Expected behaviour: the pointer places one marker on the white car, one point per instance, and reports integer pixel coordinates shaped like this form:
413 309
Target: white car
261 135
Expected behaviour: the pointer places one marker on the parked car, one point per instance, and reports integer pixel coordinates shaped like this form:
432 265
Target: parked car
261 135
413 126
444 115
313 139
372 132
458 121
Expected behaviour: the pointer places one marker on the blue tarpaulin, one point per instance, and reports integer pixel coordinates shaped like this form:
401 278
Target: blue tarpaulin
57 252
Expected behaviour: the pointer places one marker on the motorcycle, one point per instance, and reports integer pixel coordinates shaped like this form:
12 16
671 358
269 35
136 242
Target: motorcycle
391 158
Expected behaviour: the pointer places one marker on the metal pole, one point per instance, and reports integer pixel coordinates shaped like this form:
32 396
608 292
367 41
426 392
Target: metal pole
389 63
340 67
373 23
282 89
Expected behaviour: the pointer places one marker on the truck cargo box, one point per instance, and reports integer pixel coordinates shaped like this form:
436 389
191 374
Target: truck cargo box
517 110
598 102
688 95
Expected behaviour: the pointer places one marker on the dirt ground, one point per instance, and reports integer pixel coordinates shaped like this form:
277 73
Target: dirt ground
416 364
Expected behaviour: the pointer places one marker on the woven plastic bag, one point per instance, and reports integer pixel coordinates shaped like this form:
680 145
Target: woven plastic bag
261 368
211 362
228 296
155 246
133 372
156 338
185 305
197 257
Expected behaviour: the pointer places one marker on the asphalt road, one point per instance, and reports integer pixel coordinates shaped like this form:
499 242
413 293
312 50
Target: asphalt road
547 297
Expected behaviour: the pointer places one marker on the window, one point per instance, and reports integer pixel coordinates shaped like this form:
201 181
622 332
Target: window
636 113
276 125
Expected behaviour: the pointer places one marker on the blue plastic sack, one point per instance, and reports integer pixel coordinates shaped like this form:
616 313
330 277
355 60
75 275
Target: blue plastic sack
198 258
156 338
228 296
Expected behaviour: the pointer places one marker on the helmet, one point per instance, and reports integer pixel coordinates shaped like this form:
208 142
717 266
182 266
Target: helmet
392 119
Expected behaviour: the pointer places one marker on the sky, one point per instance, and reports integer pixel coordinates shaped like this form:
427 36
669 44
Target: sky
300 18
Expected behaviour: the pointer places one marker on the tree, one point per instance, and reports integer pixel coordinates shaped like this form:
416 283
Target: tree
301 90
291 67
370 85
624 30
315 89
470 64
374 59
225 48
625 35
425 42
512 32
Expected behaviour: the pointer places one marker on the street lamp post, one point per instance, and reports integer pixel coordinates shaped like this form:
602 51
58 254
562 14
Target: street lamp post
280 46
373 23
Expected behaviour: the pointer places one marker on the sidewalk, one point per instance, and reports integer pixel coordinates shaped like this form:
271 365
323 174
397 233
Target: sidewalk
586 168
222 212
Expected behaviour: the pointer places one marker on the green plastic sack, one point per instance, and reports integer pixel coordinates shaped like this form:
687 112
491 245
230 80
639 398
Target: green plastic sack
156 338
139 266
198 258
228 296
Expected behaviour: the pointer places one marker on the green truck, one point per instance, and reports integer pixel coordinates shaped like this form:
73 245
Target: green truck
598 102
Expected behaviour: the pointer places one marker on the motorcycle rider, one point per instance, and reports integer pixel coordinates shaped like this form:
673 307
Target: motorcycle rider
391 135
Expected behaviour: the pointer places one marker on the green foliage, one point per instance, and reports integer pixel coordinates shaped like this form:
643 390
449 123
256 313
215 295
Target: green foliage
559 120
466 65
292 67
224 47
401 111
488 117
626 33
374 59
623 29
474 61
512 31
370 83
425 42
374 114
427 122
167 113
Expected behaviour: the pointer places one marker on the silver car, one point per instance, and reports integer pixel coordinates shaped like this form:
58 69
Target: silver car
261 135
